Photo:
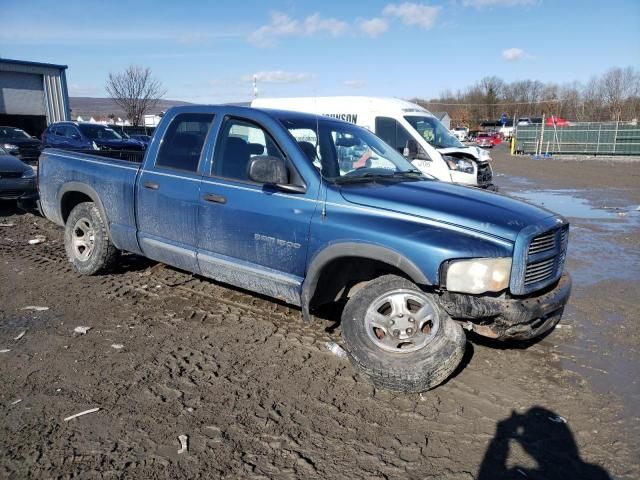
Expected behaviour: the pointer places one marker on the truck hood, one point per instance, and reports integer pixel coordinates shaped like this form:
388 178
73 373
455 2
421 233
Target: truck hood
465 207
477 153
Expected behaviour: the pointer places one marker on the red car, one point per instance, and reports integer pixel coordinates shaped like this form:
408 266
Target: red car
556 121
488 139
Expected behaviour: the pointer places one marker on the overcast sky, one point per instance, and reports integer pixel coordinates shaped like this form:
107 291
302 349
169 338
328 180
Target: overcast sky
209 51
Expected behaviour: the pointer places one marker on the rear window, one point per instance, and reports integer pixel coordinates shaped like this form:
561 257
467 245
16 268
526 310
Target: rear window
183 141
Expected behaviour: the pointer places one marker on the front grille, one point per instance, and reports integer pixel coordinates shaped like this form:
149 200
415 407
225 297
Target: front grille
537 272
542 243
484 174
545 257
10 174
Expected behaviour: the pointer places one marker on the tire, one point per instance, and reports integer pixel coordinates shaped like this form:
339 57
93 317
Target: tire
87 242
417 363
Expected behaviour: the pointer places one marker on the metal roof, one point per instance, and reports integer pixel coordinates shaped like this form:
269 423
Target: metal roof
27 63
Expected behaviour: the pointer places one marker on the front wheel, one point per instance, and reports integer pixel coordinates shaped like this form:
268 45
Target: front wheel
399 336
87 242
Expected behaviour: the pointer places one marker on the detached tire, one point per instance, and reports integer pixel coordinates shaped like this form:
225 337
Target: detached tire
399 336
86 240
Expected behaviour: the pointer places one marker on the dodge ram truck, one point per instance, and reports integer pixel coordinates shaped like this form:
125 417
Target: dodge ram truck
313 210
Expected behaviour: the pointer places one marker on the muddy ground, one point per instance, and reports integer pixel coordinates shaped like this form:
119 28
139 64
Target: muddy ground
259 396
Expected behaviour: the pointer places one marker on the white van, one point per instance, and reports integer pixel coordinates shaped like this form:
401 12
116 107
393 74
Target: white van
406 126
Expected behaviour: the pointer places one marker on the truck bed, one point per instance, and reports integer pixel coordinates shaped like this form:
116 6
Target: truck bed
135 156
108 181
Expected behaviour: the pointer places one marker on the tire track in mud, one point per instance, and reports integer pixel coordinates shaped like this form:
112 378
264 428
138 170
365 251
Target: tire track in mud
321 436
260 397
205 300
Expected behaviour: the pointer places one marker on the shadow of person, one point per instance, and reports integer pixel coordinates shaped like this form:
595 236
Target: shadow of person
544 437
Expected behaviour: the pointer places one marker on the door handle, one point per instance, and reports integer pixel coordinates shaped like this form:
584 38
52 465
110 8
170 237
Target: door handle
212 197
151 185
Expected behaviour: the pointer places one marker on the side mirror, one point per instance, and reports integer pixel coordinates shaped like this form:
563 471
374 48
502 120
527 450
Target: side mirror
272 171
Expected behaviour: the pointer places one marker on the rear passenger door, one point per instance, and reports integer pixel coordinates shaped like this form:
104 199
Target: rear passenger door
168 193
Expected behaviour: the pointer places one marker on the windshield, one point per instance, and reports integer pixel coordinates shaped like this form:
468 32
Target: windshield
15 133
345 152
99 132
433 132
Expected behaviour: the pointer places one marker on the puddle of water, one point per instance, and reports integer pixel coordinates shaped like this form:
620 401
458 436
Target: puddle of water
603 246
595 254
568 204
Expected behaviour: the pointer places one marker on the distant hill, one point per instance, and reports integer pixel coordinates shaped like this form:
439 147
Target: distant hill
88 107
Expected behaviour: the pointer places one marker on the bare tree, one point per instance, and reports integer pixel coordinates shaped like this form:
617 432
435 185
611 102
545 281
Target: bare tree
610 96
618 86
135 91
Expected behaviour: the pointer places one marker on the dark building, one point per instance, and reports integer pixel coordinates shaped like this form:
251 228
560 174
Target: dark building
32 95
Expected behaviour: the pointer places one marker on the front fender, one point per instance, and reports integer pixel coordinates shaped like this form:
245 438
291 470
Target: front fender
359 250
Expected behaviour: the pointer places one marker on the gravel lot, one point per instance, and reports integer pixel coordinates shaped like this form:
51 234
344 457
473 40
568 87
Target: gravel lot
259 396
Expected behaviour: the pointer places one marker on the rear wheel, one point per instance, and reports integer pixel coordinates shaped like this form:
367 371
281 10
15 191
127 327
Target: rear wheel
399 336
87 241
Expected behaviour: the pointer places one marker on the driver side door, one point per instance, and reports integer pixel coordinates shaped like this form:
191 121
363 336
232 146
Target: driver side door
250 234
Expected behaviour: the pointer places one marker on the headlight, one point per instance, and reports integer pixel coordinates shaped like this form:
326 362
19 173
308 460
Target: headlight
31 173
459 164
483 154
479 275
10 147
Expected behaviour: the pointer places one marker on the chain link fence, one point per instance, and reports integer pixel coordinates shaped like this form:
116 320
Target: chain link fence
591 138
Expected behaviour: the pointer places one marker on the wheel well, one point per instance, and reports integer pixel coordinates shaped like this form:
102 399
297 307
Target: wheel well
343 276
70 200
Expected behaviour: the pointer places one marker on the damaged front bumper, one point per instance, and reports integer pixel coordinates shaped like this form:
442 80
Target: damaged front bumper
510 318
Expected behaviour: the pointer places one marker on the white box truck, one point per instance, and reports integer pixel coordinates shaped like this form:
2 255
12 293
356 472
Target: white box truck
406 126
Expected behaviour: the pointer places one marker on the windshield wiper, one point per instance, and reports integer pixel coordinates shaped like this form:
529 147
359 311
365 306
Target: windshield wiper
414 174
368 176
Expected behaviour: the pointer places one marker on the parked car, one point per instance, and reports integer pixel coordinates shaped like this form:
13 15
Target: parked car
554 121
86 136
262 200
17 142
144 139
460 133
17 180
485 140
496 138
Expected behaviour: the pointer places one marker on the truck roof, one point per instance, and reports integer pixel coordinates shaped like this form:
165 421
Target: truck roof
274 113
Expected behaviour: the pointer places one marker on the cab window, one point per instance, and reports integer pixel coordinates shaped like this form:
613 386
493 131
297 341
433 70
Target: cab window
239 142
182 143
389 130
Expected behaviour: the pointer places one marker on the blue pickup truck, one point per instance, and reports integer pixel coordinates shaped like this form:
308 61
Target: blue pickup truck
265 201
